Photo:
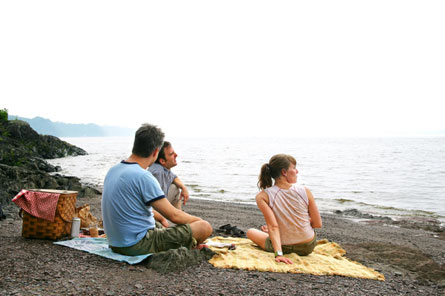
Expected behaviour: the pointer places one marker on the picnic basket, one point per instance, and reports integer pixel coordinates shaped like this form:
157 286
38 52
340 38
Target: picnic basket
34 227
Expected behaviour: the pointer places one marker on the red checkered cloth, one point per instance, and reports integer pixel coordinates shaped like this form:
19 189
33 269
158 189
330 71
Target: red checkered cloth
39 204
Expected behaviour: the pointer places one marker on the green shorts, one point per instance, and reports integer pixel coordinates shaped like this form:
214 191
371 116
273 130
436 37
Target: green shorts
303 249
160 239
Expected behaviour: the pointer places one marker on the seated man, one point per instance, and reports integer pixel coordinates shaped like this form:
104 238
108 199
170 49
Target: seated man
169 182
132 200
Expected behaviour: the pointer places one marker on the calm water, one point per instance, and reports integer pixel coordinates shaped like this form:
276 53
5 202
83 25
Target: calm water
382 176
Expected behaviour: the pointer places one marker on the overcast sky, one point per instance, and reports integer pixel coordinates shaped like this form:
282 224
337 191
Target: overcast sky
228 68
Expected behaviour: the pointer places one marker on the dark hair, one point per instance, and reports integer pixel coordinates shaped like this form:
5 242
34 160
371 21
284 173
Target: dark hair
162 152
272 170
147 138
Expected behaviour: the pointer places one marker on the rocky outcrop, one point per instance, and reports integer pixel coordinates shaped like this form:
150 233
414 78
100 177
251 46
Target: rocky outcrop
22 161
20 145
15 178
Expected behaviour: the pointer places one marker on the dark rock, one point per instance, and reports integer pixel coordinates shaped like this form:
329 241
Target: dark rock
13 179
358 214
20 145
417 222
89 191
22 160
412 222
19 129
2 216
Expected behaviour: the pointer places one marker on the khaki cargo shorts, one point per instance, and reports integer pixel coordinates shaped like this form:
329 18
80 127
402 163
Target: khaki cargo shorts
303 249
173 195
160 239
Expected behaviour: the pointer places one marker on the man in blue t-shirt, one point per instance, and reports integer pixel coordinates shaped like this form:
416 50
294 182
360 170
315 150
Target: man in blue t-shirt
174 189
132 201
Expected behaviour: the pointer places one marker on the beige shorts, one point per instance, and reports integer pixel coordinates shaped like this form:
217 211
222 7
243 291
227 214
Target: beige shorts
303 249
174 194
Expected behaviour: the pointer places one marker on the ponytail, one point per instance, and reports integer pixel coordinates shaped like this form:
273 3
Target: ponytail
265 178
272 170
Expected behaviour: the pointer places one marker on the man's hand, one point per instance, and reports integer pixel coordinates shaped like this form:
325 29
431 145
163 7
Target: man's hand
184 195
164 222
161 219
184 192
283 259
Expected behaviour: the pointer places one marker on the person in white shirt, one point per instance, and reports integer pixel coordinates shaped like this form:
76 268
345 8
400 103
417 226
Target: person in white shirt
290 211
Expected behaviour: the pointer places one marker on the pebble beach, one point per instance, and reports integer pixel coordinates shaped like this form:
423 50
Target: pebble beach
412 260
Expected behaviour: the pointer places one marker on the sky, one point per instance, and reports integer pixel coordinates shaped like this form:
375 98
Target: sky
228 68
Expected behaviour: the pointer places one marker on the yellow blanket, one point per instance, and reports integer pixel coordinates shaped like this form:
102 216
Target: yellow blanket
326 259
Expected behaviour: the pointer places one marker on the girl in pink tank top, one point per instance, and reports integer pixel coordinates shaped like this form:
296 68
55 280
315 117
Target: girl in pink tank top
290 211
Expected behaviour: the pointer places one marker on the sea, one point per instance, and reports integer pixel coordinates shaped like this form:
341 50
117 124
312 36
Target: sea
394 177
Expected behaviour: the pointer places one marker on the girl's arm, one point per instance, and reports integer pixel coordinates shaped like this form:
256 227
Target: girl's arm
262 200
314 214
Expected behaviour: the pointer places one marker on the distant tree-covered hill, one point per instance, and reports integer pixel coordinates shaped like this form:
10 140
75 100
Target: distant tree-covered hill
60 129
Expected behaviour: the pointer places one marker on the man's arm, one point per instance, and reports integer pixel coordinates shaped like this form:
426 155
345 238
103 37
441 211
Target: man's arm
184 191
165 208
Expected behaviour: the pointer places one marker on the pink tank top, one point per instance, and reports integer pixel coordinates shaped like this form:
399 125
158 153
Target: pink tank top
291 209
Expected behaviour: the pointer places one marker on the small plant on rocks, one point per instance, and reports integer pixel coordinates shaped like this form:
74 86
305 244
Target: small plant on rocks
3 114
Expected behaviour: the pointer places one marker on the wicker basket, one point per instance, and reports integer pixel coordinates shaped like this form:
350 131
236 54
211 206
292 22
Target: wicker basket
34 227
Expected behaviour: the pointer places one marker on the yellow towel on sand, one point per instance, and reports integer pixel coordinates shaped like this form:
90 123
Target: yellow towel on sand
326 259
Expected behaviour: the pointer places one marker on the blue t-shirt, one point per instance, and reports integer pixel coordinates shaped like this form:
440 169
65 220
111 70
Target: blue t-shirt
128 192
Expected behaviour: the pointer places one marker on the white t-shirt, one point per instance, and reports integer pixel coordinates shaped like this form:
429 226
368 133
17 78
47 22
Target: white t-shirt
291 209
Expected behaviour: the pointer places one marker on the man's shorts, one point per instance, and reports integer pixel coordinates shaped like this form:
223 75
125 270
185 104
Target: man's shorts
303 249
173 194
161 239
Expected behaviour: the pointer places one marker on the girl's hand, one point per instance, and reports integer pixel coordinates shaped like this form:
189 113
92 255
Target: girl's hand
283 259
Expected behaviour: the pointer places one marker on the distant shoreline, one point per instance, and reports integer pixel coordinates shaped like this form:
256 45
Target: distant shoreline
45 126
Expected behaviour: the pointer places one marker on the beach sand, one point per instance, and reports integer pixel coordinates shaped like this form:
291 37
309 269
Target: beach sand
412 260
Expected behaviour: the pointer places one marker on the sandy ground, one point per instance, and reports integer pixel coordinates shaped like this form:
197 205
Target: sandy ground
412 260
